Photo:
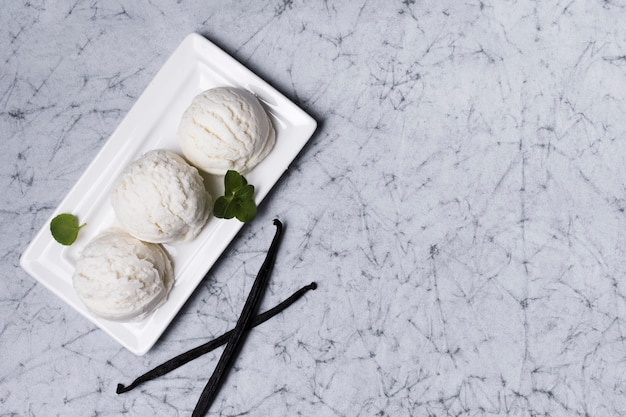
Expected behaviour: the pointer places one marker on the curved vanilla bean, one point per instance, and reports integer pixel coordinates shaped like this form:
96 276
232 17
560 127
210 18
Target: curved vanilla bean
188 356
240 331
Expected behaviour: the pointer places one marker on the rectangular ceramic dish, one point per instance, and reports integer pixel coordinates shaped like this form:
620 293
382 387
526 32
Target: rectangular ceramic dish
195 66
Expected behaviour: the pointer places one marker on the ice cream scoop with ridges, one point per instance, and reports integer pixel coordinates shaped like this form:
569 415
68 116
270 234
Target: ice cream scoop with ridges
226 128
160 198
121 278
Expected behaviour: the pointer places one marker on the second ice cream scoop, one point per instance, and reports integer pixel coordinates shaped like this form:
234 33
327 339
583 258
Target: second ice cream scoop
160 198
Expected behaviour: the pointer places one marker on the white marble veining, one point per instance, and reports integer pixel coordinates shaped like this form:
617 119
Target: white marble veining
461 206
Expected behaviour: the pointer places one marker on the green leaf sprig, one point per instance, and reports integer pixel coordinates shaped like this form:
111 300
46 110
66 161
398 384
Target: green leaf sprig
64 228
238 199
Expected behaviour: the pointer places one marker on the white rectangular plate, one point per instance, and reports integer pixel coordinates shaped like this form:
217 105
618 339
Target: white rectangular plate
152 122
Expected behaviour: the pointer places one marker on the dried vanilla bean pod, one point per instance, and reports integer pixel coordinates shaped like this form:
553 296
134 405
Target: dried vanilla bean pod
188 356
240 331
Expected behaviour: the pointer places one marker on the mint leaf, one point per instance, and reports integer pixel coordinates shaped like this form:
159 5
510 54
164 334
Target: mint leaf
64 228
245 193
233 181
225 207
220 207
238 199
246 211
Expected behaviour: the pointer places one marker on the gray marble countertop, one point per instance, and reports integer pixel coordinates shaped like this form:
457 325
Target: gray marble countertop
461 206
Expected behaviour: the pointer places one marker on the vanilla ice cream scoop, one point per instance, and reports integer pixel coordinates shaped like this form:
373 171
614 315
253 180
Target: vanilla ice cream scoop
161 198
121 278
225 128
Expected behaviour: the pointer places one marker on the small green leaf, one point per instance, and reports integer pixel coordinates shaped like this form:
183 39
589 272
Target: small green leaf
220 206
225 207
64 228
247 211
245 193
233 181
238 199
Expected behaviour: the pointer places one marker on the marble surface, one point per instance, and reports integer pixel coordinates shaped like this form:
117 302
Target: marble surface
461 206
